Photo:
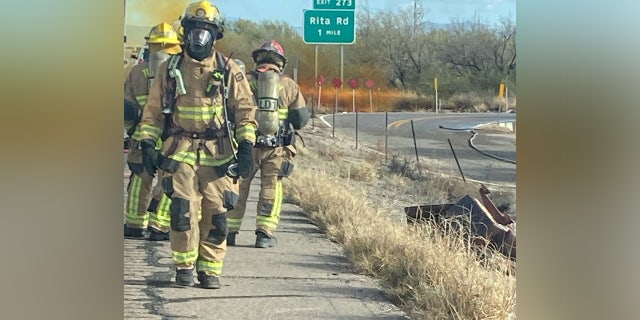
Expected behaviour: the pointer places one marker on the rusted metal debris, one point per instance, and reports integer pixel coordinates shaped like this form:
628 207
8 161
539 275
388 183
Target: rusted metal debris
488 225
500 217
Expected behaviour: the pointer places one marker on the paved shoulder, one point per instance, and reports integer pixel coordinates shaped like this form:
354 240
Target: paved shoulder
304 277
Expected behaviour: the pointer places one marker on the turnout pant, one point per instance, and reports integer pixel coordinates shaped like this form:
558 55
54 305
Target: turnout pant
159 218
274 164
138 192
200 242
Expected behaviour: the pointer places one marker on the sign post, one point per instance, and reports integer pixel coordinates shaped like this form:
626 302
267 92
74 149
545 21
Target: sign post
353 83
369 84
435 85
320 79
501 94
337 83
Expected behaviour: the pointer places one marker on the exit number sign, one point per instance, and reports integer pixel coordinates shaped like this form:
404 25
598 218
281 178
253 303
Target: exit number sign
334 4
329 26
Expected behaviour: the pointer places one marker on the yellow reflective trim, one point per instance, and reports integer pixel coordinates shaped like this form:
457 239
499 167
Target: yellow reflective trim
247 132
161 217
283 113
211 162
203 113
132 216
137 135
211 267
189 157
184 156
184 257
145 71
150 131
271 222
142 99
234 224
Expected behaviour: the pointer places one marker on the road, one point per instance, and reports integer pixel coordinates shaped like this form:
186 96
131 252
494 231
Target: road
432 144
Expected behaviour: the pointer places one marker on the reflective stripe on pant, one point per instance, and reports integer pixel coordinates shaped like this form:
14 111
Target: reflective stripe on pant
200 243
268 215
138 192
269 162
234 217
159 217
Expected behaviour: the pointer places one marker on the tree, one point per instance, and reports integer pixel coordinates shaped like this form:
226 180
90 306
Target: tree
475 52
398 48
396 40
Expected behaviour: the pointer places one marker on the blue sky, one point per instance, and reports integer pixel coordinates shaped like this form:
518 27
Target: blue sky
437 11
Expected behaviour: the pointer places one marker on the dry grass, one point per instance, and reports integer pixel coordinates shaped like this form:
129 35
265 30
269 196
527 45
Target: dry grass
432 271
398 100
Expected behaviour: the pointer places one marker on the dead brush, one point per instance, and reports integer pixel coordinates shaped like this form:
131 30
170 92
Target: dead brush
402 166
431 270
358 171
331 153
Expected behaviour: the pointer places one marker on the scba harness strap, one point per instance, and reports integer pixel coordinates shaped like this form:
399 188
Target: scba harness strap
175 87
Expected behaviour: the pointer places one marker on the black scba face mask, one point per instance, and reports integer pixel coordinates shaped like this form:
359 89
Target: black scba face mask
200 41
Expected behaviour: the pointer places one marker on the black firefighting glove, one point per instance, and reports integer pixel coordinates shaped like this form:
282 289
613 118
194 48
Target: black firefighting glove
150 157
245 158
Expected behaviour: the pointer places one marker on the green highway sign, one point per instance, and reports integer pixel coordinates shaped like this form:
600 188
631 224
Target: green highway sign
335 4
329 26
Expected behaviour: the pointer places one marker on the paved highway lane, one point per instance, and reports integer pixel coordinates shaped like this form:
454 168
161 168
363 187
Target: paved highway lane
433 147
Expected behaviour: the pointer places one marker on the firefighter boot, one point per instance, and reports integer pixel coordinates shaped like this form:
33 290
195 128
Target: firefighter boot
155 235
208 281
231 238
184 277
132 232
263 240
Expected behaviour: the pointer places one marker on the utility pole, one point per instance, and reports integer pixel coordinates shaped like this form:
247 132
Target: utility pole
341 65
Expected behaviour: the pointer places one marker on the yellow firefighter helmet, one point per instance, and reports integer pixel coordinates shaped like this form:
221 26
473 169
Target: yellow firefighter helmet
163 34
203 11
176 24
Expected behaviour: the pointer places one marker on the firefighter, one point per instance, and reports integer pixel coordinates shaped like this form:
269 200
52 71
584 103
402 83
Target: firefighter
142 202
281 110
204 104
